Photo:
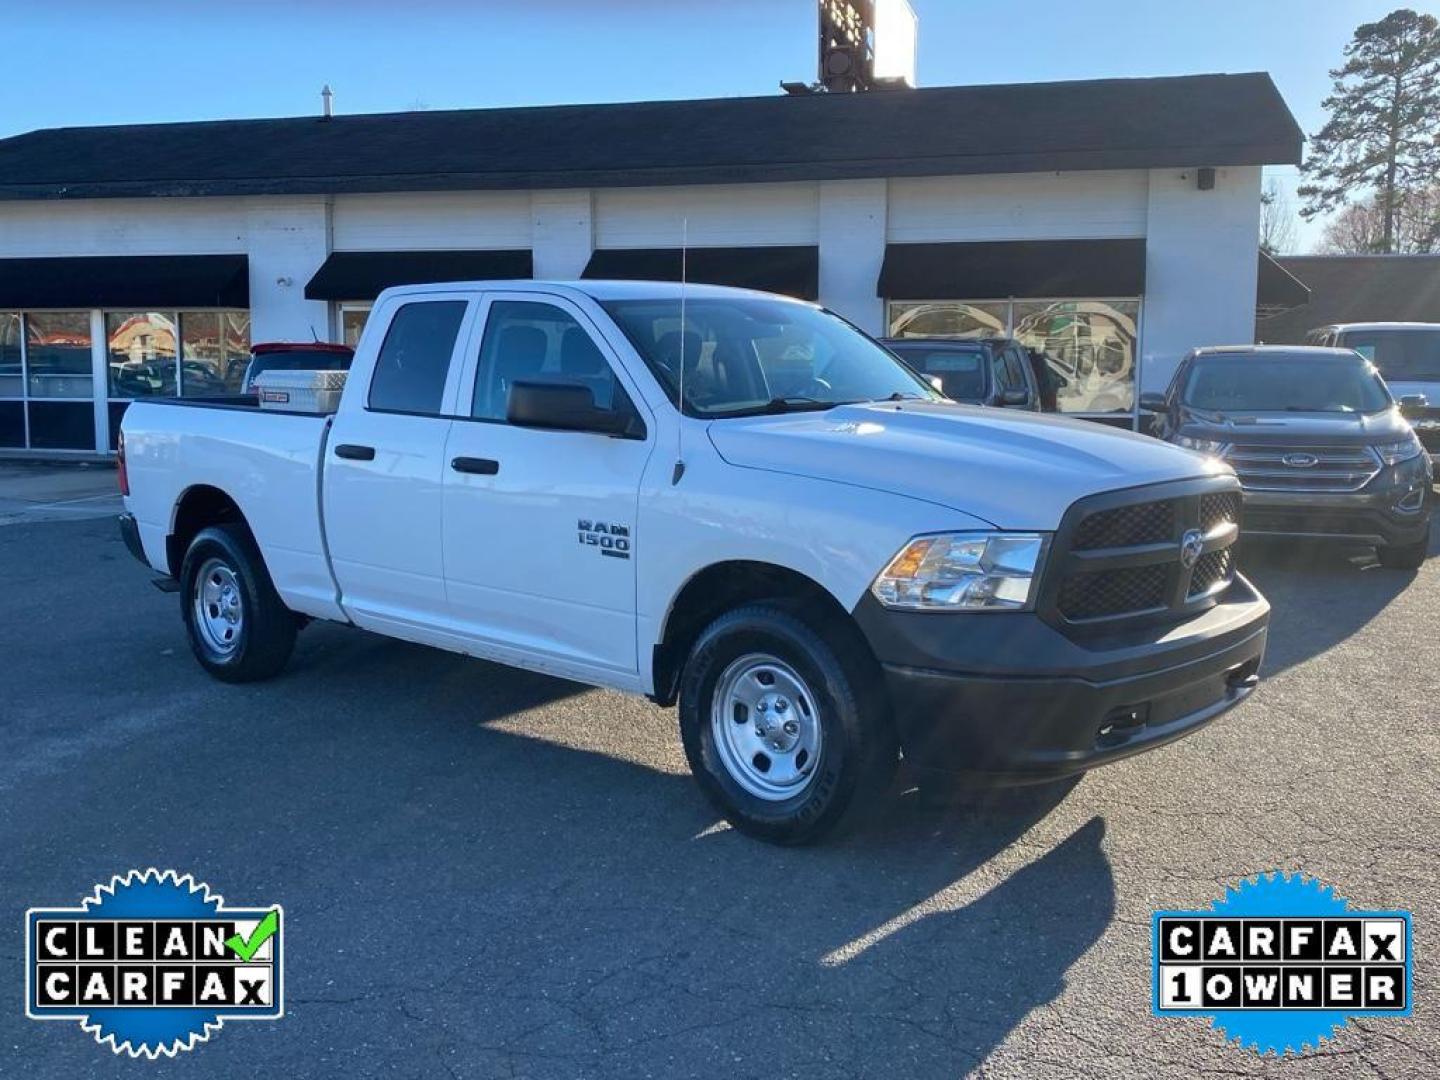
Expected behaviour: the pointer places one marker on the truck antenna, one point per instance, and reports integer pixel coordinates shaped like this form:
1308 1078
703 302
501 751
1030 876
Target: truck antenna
680 391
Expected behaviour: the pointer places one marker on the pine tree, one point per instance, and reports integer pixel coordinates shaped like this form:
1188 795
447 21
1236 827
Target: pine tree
1383 133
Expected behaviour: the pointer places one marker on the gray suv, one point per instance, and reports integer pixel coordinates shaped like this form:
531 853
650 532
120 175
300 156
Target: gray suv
976 371
1320 446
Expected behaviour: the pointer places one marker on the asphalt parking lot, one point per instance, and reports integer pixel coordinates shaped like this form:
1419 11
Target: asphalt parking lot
491 873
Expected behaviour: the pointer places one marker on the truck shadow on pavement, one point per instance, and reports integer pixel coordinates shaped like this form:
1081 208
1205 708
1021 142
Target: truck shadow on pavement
562 910
1320 594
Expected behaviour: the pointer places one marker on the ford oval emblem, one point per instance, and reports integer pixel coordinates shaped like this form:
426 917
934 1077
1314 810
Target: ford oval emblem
1301 461
1192 544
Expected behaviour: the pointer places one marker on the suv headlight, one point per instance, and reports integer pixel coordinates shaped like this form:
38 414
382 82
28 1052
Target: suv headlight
1393 453
1204 446
971 571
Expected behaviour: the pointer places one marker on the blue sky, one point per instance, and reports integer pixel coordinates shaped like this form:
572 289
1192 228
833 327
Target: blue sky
73 62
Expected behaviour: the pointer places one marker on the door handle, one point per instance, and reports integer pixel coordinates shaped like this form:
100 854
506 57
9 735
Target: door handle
480 466
351 452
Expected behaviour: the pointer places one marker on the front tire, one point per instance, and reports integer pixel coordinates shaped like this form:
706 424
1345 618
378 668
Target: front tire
786 729
1404 556
239 629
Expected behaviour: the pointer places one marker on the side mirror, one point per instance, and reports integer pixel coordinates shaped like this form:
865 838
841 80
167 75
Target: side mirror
563 407
1413 405
1152 402
1014 397
936 383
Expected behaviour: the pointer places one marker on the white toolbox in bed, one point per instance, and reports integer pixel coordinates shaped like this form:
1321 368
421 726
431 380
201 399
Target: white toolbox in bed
300 391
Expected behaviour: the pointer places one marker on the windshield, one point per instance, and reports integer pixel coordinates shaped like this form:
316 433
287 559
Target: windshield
1249 382
962 372
750 355
1400 355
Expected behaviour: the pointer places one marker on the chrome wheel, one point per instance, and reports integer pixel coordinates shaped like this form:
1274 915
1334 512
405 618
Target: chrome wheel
766 727
219 607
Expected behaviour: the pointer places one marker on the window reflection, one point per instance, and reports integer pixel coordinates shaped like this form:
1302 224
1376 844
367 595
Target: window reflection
948 318
141 347
1088 346
202 355
236 327
1088 343
57 345
12 375
352 322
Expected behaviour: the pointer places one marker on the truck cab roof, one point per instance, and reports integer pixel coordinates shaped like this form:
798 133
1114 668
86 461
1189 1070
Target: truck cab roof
599 289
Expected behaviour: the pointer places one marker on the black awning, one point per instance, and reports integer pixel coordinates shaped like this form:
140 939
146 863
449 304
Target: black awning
126 281
793 271
364 275
996 270
1276 289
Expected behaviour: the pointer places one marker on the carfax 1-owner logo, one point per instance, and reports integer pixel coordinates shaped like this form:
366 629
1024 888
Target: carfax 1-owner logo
153 963
1280 962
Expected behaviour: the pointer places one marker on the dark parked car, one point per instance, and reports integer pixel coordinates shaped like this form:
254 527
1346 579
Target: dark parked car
295 356
977 371
1319 444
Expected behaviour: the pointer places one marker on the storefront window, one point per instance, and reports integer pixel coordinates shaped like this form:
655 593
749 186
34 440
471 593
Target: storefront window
948 318
352 322
141 348
202 355
12 374
57 345
1088 343
236 327
214 349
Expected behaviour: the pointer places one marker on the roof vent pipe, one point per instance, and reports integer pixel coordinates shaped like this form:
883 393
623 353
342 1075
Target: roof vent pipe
327 98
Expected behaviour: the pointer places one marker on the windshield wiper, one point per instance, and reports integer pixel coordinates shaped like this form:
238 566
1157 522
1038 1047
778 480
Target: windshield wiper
778 405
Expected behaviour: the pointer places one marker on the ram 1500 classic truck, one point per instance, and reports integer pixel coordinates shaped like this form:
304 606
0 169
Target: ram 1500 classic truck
820 560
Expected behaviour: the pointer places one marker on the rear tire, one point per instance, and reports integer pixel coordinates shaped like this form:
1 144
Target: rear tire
828 747
1404 556
239 629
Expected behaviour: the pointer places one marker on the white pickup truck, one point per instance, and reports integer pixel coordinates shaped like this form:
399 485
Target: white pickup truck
824 563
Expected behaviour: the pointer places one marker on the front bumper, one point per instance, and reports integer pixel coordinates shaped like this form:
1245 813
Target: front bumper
1366 516
1010 696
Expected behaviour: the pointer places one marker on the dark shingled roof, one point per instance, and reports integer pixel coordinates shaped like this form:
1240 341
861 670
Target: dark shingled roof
1356 288
1104 124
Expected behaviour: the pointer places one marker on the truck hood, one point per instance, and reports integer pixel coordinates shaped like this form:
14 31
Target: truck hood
1014 470
1296 428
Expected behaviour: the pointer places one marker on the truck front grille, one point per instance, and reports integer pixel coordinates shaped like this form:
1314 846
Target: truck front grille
1124 555
1213 570
1113 592
1219 508
1303 468
1144 523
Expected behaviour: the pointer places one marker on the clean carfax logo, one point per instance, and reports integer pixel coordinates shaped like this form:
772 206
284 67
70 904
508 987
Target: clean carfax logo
153 963
1280 963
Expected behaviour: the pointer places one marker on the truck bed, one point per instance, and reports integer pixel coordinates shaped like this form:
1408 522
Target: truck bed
267 460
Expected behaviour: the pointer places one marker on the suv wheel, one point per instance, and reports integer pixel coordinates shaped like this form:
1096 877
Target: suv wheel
239 629
784 727
1404 556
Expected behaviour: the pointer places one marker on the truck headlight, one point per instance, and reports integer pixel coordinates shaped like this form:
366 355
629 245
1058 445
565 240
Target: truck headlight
1393 453
971 571
1204 446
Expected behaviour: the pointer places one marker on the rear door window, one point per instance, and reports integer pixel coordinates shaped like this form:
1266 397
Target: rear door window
414 361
